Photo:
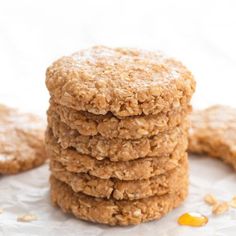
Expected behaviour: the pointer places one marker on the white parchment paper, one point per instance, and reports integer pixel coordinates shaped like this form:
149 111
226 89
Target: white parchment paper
29 193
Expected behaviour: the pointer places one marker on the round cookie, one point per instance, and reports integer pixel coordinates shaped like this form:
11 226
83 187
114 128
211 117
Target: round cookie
115 212
110 126
118 149
21 141
125 82
117 189
143 168
213 131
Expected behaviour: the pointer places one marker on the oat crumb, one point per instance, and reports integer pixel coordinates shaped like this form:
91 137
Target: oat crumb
137 213
27 218
220 208
210 199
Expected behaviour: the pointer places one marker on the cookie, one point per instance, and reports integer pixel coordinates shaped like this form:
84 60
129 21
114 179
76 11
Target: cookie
115 212
110 126
117 189
143 168
213 132
21 141
125 82
118 149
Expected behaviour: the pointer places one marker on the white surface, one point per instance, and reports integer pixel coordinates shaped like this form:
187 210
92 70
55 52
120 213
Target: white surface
34 33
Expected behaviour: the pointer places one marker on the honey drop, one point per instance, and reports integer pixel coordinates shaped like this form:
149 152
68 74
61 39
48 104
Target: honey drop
193 219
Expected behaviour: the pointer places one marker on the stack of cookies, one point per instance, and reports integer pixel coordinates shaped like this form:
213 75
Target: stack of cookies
117 134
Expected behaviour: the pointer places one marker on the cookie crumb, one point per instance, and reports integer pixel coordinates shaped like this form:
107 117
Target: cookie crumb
220 208
232 203
210 199
1 210
27 218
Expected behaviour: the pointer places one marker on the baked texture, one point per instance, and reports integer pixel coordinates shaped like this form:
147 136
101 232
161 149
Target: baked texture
125 82
114 212
110 126
213 132
117 189
21 141
116 149
143 168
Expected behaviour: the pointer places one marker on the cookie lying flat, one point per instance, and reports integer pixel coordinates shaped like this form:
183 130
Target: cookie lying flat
114 212
143 168
214 132
21 141
115 149
117 189
109 126
125 82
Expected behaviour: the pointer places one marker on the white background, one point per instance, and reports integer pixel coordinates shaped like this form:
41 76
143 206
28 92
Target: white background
34 33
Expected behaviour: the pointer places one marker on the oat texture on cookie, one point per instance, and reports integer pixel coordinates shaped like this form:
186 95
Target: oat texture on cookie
110 126
21 141
118 149
115 212
142 168
125 82
118 133
118 189
213 132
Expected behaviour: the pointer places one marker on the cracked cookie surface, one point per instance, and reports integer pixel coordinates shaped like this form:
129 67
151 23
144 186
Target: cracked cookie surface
213 132
21 141
116 212
125 82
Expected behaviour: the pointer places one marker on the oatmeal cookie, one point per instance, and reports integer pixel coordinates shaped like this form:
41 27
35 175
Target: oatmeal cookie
110 126
124 81
115 212
117 189
21 141
118 149
143 168
213 132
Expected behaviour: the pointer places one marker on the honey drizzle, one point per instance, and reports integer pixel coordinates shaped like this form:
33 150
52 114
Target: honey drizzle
193 219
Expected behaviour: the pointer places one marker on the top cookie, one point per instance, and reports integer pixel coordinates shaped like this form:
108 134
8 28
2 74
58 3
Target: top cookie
122 81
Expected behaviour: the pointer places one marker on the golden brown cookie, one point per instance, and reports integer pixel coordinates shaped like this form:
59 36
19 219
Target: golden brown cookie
143 168
21 141
115 149
110 126
125 82
117 189
115 212
213 131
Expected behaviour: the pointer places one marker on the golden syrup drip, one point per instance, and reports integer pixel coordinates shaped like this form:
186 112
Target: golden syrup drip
193 219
